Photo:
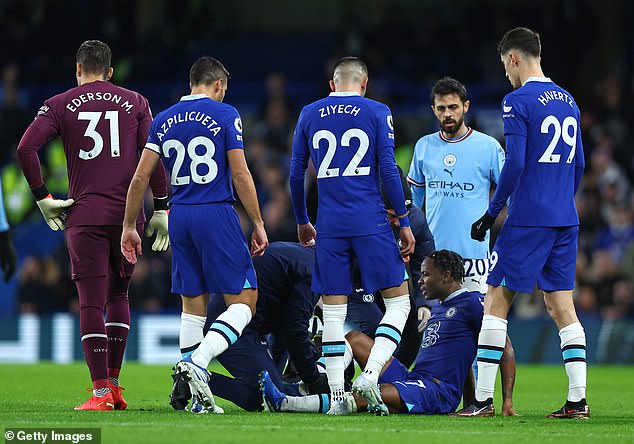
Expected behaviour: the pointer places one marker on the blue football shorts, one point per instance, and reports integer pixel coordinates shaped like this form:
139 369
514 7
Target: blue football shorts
525 255
209 251
420 395
378 256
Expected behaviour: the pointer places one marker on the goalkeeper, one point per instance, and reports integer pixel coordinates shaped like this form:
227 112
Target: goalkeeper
102 141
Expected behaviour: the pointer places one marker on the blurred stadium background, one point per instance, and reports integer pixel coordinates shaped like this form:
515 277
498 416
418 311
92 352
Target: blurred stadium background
280 55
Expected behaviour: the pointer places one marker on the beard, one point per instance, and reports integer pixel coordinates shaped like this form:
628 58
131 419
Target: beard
453 129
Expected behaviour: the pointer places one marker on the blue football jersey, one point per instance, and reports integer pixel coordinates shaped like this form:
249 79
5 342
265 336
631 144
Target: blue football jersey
350 139
453 178
541 125
193 137
450 340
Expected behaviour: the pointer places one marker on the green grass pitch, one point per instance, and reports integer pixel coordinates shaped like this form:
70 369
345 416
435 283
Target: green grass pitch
43 395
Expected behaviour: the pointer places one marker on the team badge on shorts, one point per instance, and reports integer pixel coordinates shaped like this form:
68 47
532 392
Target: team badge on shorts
368 297
449 160
451 312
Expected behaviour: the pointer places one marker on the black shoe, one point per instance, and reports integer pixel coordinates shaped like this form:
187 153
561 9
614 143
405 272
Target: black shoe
477 408
181 394
579 410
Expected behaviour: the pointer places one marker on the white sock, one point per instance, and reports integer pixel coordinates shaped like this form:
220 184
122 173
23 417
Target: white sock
191 333
307 404
315 403
387 336
573 350
224 331
333 347
347 359
490 348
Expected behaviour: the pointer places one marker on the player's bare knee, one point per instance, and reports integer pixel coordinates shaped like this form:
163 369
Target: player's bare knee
395 291
195 305
247 297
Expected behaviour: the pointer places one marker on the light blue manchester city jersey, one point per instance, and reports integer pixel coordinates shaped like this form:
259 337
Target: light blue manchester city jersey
453 177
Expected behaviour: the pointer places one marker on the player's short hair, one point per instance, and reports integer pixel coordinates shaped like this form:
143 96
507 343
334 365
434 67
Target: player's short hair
206 70
448 85
522 39
94 56
448 261
349 69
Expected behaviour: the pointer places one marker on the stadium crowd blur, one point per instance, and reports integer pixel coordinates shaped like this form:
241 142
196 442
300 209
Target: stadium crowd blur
275 72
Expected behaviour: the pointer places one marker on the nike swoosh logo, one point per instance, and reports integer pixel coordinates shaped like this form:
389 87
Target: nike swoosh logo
505 108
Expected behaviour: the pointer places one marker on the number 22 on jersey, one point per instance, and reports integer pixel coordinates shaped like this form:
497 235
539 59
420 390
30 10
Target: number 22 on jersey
353 168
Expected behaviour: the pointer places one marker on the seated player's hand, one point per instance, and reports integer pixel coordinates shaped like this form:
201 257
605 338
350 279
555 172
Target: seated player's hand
408 243
306 234
424 313
53 211
7 256
259 241
481 226
159 223
131 245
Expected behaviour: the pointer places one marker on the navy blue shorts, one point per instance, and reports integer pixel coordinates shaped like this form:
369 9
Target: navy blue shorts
380 263
209 251
420 395
525 255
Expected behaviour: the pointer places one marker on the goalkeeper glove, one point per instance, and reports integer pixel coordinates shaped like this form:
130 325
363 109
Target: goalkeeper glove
158 223
480 227
53 211
7 256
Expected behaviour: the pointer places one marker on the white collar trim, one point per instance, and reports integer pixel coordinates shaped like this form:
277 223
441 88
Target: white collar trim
194 97
453 295
538 79
344 94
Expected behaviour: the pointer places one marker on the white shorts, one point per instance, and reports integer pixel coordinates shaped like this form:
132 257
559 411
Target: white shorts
475 275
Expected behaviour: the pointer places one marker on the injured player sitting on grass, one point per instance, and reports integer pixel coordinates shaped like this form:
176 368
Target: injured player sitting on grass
435 384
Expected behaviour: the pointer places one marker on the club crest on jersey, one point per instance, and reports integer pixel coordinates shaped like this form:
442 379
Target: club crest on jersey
451 312
449 160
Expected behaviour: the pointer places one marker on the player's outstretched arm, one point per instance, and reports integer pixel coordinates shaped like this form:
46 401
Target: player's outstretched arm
243 181
130 239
